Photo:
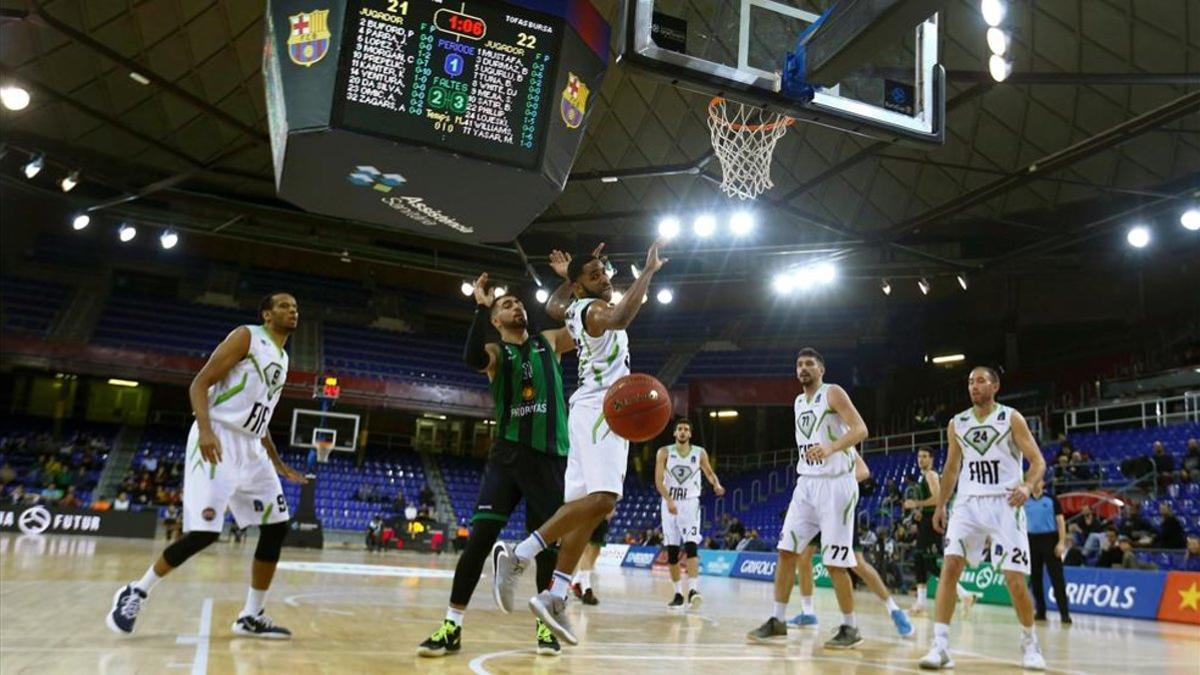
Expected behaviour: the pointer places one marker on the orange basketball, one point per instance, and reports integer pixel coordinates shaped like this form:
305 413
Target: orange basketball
637 407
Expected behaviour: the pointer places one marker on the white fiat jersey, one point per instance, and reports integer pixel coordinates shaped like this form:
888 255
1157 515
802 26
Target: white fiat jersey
682 473
991 462
817 423
602 360
244 400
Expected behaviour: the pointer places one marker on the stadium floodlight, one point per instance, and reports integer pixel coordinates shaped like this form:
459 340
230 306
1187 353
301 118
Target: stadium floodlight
14 97
993 11
168 239
81 221
34 166
501 291
542 295
669 227
949 358
126 232
704 225
741 223
1138 236
784 283
635 271
998 41
886 287
962 280
1190 220
467 288
924 285
665 296
823 273
999 67
69 181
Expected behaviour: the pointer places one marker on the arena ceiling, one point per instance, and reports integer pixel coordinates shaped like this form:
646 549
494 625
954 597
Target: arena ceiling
1098 125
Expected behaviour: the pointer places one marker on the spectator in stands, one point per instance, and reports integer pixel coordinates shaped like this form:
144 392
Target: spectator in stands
1064 476
426 496
1164 464
363 494
1112 554
654 537
1187 477
1134 526
1191 458
7 475
1129 559
171 525
17 496
1088 530
1081 471
121 503
69 500
1170 532
150 463
891 494
752 542
410 513
401 503
375 533
1073 557
51 494
710 544
1191 559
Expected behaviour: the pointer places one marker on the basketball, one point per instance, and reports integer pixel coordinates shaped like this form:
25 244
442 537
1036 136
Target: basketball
637 407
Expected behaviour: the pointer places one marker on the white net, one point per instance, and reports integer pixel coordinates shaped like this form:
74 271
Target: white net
744 139
324 450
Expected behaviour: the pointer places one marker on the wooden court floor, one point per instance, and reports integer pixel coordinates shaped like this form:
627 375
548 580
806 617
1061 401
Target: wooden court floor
355 612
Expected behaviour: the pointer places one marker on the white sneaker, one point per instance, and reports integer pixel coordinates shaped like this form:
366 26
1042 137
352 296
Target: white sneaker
1032 659
936 659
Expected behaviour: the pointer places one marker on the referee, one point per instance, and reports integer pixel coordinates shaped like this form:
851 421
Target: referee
1047 541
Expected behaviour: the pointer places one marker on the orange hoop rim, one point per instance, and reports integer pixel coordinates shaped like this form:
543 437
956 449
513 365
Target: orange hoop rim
784 120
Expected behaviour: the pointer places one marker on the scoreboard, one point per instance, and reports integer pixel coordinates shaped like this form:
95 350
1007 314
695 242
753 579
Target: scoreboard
471 77
458 119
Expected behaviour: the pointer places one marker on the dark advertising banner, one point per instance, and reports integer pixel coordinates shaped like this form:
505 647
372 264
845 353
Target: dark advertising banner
49 520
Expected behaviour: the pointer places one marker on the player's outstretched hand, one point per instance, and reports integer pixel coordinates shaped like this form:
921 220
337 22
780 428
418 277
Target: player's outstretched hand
483 295
719 491
1018 496
910 504
653 262
210 447
939 519
560 262
291 475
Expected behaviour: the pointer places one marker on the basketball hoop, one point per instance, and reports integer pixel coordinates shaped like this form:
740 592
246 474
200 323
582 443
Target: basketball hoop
744 139
324 449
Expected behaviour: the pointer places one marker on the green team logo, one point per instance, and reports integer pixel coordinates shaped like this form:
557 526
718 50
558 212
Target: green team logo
981 438
806 421
682 472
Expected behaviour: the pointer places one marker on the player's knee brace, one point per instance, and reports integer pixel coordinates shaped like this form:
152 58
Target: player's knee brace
270 542
691 549
187 546
672 554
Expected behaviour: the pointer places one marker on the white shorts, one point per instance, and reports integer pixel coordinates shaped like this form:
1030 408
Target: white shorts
244 480
597 459
684 525
974 520
824 505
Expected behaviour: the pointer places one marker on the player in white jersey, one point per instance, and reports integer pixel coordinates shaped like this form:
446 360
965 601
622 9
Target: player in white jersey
827 428
596 462
677 470
990 439
232 463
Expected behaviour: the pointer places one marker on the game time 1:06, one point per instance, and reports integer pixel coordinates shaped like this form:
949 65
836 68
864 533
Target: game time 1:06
470 27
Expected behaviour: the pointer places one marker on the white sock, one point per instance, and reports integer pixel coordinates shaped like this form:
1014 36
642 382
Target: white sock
891 604
586 583
1028 634
781 611
527 549
963 593
806 604
920 596
578 578
455 615
850 620
254 602
941 635
560 585
678 586
148 581
693 584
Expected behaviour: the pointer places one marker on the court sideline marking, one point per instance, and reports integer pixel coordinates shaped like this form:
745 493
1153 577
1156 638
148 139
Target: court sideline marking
200 639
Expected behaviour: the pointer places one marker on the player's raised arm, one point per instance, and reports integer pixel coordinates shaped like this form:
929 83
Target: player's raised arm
603 316
1029 448
477 355
711 475
560 339
660 469
232 349
560 299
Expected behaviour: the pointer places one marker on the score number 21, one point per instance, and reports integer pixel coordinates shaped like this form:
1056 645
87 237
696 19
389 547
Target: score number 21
395 6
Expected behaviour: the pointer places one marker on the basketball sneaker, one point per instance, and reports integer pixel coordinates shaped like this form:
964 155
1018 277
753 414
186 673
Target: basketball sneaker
260 626
126 604
1031 658
676 602
695 599
937 659
589 598
847 637
447 639
552 610
903 625
803 620
547 644
506 570
773 630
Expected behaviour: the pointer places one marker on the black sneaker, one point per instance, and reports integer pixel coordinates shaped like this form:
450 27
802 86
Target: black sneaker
126 604
577 590
547 644
589 598
447 639
260 626
676 602
773 630
847 637
695 599
1039 617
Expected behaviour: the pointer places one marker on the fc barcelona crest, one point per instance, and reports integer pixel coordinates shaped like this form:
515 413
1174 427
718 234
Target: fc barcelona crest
308 37
574 101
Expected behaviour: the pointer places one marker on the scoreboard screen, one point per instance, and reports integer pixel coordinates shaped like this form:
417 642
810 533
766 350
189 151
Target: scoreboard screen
468 76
